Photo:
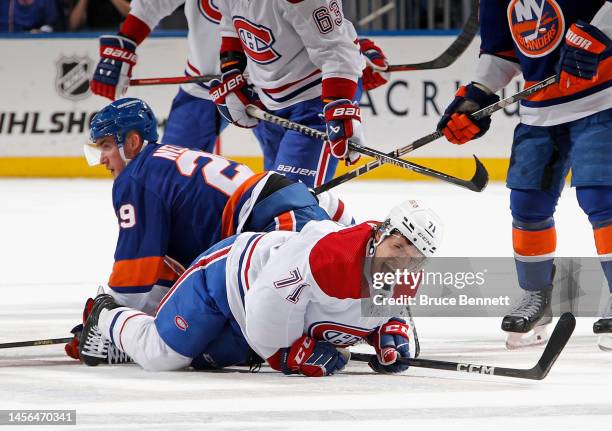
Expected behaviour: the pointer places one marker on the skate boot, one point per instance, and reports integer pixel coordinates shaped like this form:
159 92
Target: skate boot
94 348
526 323
603 327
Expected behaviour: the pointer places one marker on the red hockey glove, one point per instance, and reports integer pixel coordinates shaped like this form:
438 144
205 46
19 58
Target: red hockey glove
72 348
312 358
581 54
375 74
343 122
112 74
390 342
457 124
232 95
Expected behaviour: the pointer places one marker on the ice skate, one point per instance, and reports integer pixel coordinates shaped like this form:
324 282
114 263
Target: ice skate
94 348
526 324
603 327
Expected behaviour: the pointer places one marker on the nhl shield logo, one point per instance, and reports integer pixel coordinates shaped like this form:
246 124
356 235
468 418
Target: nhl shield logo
73 73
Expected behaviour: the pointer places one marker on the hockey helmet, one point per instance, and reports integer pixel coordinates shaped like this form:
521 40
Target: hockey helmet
118 119
417 223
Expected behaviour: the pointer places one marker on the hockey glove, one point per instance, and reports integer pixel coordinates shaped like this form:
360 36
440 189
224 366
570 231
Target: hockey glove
374 75
72 348
343 122
114 70
581 54
390 342
232 95
457 124
312 358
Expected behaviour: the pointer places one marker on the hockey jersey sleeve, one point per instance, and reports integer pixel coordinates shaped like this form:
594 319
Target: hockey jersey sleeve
331 43
276 304
141 273
498 62
145 15
229 38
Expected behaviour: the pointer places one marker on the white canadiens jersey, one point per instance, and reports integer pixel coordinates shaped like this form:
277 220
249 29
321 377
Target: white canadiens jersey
203 38
292 46
281 285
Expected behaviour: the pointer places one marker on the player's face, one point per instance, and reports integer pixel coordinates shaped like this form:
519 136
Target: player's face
110 156
395 252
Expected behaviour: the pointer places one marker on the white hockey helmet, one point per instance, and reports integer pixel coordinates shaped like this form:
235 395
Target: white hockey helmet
417 223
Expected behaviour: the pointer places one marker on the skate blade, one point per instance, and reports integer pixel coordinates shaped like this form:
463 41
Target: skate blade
537 336
604 342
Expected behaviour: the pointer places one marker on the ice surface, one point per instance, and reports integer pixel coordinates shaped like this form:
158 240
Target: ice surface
58 239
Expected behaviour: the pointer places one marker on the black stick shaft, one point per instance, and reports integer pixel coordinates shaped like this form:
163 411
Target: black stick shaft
477 186
33 343
559 338
453 52
486 111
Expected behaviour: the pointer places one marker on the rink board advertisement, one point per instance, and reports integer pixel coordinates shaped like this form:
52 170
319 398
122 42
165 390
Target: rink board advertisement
46 106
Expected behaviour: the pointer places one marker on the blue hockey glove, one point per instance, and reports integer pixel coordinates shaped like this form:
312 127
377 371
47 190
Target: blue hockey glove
312 358
390 342
457 124
114 70
581 54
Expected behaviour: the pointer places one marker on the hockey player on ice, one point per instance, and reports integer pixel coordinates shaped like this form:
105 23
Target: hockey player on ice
194 120
304 63
293 298
566 125
172 202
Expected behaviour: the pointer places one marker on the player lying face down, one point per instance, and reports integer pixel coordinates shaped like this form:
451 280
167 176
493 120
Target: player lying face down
172 203
292 298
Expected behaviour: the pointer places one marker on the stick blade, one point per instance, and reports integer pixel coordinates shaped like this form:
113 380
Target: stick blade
481 177
556 343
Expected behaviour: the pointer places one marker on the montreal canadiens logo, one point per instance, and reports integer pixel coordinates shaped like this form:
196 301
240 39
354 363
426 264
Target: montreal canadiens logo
209 11
336 333
181 323
257 41
537 26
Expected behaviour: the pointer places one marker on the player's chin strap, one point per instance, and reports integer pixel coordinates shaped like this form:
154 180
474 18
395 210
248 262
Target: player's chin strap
122 152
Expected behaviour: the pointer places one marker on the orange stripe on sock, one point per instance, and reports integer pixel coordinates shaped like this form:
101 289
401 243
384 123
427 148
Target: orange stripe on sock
229 212
534 243
603 239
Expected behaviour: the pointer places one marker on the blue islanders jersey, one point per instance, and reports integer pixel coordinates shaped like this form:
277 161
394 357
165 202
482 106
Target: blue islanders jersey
173 202
530 33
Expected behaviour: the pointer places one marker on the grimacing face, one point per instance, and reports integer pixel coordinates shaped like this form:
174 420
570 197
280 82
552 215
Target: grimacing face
393 253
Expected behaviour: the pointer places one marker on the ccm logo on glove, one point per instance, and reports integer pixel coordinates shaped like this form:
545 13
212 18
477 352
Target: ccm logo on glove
304 349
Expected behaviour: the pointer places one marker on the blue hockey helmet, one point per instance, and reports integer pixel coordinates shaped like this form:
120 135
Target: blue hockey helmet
123 116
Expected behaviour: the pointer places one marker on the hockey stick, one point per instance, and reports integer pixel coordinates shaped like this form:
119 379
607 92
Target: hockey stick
172 80
486 111
476 184
36 343
371 17
559 338
453 52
